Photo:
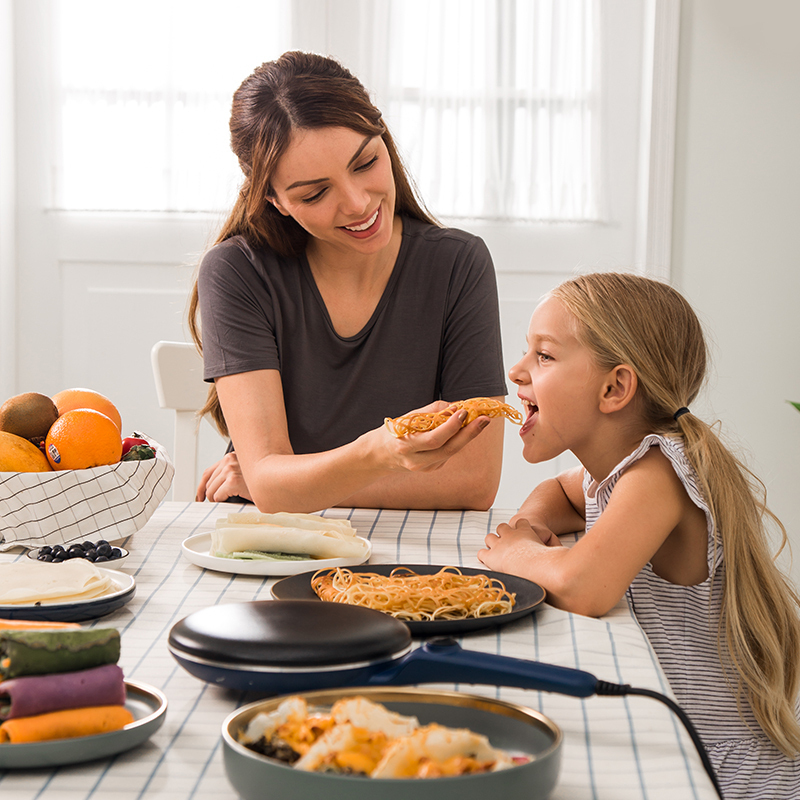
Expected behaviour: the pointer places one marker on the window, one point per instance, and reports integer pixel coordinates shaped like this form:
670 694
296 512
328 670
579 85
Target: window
496 104
493 102
143 94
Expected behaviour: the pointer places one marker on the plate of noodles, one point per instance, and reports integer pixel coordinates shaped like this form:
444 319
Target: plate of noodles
433 600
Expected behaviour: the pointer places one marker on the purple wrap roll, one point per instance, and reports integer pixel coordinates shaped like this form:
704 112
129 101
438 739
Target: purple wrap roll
40 694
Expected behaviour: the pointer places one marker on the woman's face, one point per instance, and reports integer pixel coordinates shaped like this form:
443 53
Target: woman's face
338 185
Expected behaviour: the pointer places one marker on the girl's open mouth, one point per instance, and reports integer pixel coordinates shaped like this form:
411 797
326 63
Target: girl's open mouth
531 415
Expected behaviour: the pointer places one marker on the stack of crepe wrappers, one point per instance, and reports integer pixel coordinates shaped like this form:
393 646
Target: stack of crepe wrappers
59 683
302 534
27 582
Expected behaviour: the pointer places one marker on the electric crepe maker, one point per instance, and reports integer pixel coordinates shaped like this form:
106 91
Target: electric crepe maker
288 646
279 647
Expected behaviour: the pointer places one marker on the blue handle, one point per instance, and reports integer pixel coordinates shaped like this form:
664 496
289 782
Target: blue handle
445 661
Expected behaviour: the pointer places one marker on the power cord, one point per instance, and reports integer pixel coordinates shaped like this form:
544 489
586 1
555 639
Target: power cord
619 689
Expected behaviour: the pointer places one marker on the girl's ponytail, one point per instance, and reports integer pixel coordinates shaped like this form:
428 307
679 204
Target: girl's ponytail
759 620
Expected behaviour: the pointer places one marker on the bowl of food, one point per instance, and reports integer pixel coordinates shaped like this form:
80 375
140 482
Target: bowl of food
392 744
98 551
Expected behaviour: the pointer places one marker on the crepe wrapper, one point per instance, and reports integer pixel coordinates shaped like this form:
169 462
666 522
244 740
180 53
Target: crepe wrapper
44 652
66 724
305 534
42 694
30 582
40 625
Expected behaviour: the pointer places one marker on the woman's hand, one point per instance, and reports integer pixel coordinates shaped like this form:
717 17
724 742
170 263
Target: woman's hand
513 548
429 450
223 480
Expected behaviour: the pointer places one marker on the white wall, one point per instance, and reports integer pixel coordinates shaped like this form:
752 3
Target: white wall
736 241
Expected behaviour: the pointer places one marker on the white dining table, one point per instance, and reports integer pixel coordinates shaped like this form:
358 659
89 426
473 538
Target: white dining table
617 748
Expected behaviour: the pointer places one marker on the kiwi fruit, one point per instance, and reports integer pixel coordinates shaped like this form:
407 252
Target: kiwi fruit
28 415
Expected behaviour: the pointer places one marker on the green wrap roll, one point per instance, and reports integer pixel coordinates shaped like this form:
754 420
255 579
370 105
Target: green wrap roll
45 652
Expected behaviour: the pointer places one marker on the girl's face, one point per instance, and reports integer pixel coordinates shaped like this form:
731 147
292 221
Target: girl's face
338 185
559 385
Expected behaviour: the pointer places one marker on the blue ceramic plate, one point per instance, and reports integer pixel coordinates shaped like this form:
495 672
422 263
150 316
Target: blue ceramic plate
80 610
148 706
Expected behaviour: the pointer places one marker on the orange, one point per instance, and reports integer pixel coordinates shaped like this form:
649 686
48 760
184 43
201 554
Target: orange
83 438
20 455
70 399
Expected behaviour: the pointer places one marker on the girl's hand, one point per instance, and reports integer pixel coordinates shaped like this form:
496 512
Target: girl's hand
223 480
513 548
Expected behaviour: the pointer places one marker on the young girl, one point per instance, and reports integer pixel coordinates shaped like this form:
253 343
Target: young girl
613 364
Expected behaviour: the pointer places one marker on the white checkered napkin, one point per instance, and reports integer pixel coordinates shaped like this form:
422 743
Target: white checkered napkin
39 508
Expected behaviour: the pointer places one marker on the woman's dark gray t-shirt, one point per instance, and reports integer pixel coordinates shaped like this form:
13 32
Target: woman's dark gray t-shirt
435 333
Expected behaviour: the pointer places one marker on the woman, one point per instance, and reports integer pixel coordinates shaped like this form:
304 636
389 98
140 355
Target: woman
332 300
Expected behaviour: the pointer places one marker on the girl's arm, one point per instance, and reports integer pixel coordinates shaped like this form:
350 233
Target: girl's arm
413 472
589 578
555 504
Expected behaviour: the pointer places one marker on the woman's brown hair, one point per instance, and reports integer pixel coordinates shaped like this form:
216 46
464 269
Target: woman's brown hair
629 319
295 92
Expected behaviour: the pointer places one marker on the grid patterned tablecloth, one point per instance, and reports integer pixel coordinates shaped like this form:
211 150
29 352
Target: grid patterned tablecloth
615 748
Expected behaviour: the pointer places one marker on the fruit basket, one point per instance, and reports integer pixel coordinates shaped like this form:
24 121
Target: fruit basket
111 502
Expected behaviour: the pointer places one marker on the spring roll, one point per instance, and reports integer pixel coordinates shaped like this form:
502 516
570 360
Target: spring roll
41 652
41 694
67 724
307 534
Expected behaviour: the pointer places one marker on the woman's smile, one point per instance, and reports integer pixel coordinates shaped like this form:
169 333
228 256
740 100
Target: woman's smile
363 230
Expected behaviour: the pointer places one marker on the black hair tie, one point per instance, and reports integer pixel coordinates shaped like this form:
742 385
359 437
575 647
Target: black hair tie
679 413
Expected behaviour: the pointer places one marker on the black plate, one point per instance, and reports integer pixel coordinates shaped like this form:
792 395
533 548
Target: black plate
529 595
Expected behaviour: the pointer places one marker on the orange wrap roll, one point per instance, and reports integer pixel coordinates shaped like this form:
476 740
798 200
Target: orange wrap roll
33 625
65 724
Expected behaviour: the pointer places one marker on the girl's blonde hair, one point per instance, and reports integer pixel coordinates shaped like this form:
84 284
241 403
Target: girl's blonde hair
629 319
298 91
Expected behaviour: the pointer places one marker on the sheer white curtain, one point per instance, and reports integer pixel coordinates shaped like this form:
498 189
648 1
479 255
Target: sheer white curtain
143 94
495 103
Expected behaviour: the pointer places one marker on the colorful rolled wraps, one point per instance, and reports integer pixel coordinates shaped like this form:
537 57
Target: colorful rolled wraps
41 694
65 724
36 652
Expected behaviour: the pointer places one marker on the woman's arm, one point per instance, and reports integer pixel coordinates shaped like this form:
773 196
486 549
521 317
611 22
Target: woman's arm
589 578
469 479
278 479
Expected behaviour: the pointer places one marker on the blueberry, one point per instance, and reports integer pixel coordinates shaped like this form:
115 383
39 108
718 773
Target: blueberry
115 553
100 558
90 554
104 549
45 550
59 548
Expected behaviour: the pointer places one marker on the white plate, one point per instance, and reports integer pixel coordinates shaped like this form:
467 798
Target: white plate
196 549
76 610
148 706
